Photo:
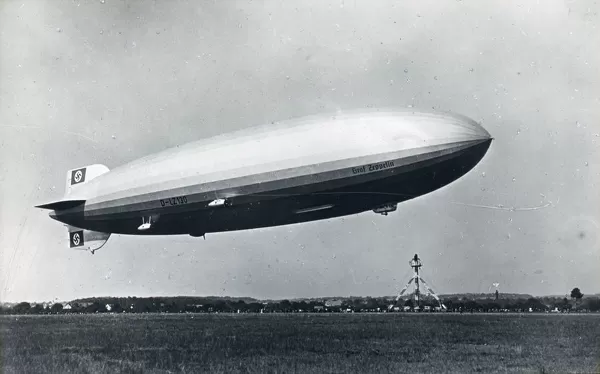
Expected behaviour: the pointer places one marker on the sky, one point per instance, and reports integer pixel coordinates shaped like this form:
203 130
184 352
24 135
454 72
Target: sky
107 81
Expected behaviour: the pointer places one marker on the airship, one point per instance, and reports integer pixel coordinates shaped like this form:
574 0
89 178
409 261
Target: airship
299 170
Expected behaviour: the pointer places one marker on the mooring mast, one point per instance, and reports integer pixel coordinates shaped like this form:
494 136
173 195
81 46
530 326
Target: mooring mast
416 264
496 293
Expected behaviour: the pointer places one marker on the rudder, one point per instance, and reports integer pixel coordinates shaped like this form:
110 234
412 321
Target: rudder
88 240
82 175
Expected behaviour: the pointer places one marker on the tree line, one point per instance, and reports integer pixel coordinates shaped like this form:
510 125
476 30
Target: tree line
356 305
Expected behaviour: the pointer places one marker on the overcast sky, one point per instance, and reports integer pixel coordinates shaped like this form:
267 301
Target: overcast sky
84 82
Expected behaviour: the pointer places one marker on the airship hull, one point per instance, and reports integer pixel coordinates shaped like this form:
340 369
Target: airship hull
292 173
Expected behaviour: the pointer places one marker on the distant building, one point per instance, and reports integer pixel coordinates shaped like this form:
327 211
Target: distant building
331 303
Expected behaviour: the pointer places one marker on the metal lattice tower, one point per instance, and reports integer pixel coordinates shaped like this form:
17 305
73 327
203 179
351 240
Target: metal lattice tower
416 264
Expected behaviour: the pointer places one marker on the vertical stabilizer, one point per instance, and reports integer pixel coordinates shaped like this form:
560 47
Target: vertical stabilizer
82 175
87 240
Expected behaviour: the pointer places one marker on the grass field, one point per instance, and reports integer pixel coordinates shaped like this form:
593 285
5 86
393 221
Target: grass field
331 343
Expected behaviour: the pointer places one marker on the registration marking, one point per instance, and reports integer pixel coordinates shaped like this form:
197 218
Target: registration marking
173 201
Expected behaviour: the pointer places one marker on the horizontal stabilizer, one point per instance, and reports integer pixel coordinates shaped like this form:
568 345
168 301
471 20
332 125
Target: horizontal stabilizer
86 239
61 205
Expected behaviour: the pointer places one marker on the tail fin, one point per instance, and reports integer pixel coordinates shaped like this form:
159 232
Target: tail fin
86 239
75 178
82 175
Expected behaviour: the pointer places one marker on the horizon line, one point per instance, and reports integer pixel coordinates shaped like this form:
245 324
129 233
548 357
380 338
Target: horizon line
284 298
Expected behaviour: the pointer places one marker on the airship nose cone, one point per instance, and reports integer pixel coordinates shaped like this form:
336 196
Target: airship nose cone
439 128
467 128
